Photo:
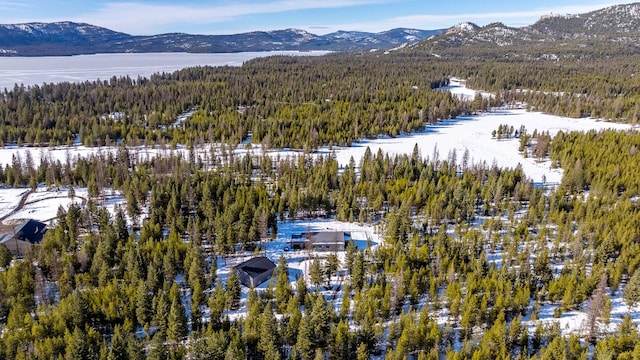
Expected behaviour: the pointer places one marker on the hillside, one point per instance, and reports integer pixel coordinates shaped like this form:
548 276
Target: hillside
613 30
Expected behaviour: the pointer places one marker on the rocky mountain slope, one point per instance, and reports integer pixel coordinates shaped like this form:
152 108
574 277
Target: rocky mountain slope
612 30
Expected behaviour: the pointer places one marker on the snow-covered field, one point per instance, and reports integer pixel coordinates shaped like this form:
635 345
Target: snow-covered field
472 133
458 88
10 199
43 210
43 203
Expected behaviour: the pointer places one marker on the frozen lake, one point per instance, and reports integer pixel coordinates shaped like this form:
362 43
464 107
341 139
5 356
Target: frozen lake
48 69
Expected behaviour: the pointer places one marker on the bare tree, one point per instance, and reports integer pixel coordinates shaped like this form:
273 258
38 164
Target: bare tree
596 306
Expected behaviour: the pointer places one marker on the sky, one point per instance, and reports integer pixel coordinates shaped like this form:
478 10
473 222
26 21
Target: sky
139 17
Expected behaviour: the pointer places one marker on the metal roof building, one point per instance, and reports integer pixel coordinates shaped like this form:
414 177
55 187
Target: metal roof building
255 271
24 237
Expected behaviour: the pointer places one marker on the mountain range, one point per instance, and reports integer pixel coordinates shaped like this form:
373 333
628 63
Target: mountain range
615 29
69 38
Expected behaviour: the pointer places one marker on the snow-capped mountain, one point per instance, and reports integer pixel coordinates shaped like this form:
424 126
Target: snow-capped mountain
575 35
68 38
610 21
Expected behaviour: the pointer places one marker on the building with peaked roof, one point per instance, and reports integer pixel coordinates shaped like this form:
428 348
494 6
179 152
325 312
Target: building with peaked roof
321 240
24 237
255 271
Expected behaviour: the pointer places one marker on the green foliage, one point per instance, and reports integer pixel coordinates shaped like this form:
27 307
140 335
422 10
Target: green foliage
283 291
631 292
5 256
316 275
480 243
177 328
232 290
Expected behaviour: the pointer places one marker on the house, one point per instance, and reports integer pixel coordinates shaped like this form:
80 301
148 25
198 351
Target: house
321 240
24 237
255 271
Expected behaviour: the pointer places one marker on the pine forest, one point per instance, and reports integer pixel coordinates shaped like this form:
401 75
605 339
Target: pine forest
473 260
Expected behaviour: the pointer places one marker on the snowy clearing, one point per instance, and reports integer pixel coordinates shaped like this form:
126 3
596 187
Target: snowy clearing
43 203
10 199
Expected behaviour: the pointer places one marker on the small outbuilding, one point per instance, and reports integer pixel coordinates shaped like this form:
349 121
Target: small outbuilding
24 237
255 271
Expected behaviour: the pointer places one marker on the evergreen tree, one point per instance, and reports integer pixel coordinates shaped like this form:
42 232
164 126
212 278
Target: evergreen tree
357 272
363 352
331 266
135 350
119 345
77 346
340 346
177 328
320 319
162 315
631 292
305 345
269 335
316 275
301 289
217 303
158 350
5 256
233 290
283 290
143 304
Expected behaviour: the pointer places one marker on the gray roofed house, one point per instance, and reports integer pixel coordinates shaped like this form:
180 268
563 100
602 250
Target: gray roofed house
24 237
321 240
255 271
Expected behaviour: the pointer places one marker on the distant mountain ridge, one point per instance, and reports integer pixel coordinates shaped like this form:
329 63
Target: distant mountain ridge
616 27
69 38
613 29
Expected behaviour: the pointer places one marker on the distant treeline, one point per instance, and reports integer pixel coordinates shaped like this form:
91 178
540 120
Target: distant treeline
307 102
296 102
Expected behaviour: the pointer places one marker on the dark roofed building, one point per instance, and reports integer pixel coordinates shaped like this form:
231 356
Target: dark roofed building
24 237
255 271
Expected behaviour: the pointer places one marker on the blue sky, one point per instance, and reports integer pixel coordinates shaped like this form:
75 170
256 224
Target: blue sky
139 17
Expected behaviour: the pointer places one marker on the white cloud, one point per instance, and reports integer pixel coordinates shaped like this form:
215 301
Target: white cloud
13 4
10 5
138 17
438 21
141 18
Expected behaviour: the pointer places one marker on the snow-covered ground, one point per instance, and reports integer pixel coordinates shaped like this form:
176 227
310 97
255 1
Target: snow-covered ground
10 199
576 321
473 133
363 235
43 210
43 204
458 88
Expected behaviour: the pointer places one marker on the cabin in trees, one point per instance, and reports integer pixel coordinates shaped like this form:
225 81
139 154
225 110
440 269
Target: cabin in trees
321 240
24 237
255 271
